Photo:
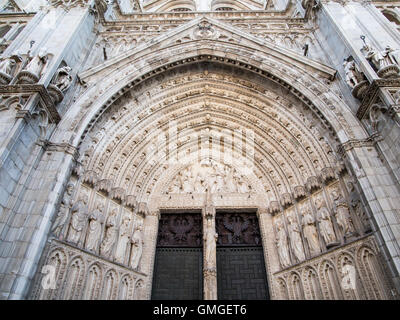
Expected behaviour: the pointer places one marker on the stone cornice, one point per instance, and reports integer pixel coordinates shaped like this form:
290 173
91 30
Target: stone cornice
190 15
61 147
34 88
364 143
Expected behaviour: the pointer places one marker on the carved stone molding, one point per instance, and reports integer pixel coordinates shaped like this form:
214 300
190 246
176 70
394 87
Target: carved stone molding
351 144
68 4
61 147
34 88
372 93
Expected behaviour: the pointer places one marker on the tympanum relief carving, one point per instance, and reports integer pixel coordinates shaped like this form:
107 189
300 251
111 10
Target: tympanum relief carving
210 175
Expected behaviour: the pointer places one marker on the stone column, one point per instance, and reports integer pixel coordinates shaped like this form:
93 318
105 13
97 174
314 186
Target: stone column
149 251
210 254
270 254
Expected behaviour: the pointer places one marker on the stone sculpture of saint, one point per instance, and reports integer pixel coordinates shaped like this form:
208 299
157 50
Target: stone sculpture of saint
137 247
356 204
94 228
282 244
325 223
78 220
391 56
124 238
295 239
342 214
7 65
310 232
374 56
351 73
110 236
210 239
37 63
344 220
63 79
65 207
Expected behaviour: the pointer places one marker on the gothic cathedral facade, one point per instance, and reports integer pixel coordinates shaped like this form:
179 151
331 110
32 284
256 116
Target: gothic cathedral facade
213 149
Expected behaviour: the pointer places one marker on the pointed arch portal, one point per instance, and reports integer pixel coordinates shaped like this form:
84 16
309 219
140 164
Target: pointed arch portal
206 120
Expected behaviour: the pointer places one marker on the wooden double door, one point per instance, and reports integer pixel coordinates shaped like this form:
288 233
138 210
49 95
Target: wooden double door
178 273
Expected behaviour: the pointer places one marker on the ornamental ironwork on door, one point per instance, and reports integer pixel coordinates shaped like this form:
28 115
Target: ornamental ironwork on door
240 258
179 258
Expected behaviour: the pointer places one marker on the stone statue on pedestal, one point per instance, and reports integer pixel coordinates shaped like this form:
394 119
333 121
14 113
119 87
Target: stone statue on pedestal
210 239
295 239
282 244
37 63
310 232
137 247
94 228
325 223
124 238
63 213
78 220
110 235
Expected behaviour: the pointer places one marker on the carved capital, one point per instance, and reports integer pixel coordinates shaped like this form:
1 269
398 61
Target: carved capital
117 194
90 177
142 209
299 192
104 185
313 184
130 201
274 207
286 200
327 174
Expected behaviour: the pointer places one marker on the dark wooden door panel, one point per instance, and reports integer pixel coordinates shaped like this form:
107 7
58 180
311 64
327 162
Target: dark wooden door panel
178 274
178 265
241 274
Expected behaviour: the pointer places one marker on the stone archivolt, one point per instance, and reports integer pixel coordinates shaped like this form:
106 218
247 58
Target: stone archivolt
220 103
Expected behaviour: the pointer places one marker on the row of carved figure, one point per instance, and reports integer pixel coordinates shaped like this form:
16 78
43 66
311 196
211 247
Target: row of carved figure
316 227
119 242
352 273
30 68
